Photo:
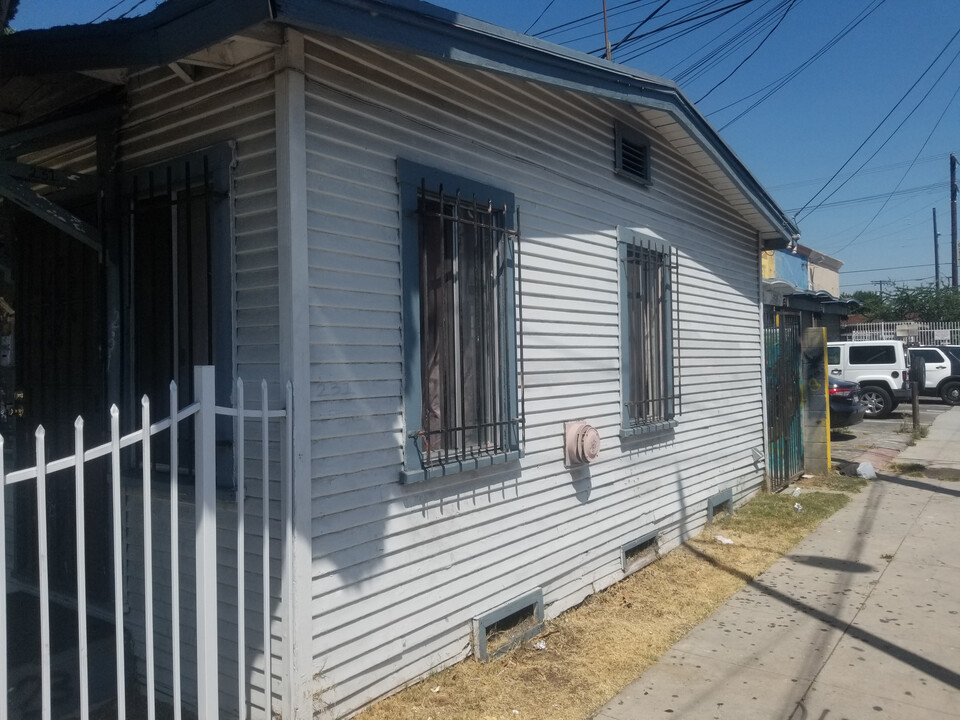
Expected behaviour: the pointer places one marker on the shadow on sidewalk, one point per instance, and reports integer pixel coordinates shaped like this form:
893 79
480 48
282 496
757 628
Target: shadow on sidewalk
918 483
944 674
847 567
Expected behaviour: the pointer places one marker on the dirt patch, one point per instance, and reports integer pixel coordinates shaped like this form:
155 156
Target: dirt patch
834 482
596 649
908 469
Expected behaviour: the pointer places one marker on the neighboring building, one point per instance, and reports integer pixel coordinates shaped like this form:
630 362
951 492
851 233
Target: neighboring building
801 288
456 242
807 282
823 271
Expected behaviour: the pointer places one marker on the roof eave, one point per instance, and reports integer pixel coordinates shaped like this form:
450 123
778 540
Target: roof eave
178 28
423 28
174 30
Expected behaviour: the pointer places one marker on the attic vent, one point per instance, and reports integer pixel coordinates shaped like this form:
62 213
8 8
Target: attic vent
632 155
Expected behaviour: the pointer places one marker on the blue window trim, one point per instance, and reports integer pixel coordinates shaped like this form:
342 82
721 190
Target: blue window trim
646 238
410 176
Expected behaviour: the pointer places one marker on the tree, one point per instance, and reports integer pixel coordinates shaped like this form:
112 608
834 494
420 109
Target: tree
8 8
924 303
872 305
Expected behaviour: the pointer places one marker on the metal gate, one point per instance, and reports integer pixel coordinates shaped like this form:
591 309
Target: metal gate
195 630
784 400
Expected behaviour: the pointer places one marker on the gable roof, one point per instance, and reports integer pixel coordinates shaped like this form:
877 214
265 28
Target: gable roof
179 28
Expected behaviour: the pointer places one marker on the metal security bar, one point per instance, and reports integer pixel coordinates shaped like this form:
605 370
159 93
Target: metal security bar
170 211
74 660
465 247
653 368
784 400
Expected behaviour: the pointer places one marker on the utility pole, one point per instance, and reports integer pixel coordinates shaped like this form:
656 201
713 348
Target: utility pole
880 283
936 252
953 217
606 36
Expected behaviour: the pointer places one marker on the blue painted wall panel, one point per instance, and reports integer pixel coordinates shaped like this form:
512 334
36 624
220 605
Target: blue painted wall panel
793 268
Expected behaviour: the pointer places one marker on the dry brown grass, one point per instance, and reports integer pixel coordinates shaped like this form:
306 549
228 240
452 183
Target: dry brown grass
594 650
834 481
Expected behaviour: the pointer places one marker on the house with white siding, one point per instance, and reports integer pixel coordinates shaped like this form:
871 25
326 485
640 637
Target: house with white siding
504 300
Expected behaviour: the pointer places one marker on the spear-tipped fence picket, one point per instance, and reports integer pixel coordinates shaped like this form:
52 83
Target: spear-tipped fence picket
213 698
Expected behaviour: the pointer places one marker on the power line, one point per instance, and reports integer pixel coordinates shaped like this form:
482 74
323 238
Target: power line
824 242
108 11
748 34
877 128
939 157
917 190
677 34
542 13
907 171
639 25
769 90
709 16
123 14
133 8
752 53
592 17
883 269
892 282
712 57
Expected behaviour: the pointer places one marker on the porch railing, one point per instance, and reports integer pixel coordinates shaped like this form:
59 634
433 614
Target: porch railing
268 447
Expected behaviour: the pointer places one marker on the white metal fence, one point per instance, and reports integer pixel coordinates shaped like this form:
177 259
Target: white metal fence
219 599
921 333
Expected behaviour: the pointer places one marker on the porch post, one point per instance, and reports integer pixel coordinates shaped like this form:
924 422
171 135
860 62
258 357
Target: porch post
205 440
764 400
112 231
292 239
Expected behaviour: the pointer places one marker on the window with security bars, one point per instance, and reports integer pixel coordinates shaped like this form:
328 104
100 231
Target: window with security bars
461 365
648 359
177 280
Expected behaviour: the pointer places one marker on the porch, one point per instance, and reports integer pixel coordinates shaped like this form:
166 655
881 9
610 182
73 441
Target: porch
146 622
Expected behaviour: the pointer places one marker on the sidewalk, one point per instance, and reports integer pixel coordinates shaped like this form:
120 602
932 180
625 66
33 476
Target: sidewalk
861 620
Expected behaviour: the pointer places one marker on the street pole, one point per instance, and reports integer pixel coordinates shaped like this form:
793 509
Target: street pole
953 217
915 398
606 35
936 252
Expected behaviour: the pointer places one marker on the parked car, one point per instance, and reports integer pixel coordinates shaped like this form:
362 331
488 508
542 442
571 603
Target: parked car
846 409
881 367
942 363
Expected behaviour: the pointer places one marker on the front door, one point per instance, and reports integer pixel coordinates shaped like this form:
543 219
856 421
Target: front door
51 372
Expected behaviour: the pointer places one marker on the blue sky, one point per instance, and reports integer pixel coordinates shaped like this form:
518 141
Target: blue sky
880 222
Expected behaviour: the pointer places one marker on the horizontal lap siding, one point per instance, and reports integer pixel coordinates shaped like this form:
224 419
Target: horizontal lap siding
399 571
166 119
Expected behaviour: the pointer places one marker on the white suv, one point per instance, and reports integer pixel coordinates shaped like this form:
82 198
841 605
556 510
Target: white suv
943 371
882 367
